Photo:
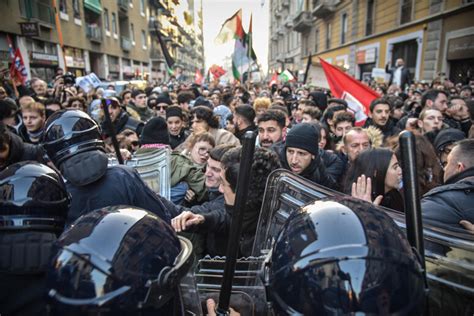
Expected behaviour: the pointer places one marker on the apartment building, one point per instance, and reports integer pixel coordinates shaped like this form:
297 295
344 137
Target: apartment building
115 39
432 36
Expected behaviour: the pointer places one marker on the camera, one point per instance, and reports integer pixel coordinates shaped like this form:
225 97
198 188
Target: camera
69 79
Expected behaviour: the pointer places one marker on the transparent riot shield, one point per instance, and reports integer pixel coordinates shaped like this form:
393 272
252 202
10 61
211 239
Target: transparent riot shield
154 169
248 293
285 193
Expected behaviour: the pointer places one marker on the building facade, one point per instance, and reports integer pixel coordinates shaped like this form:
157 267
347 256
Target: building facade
115 39
285 43
434 37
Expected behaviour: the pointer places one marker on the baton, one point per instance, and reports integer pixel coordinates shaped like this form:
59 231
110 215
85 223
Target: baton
412 197
111 129
246 159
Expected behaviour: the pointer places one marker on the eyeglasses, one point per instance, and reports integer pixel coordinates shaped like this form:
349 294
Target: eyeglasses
203 151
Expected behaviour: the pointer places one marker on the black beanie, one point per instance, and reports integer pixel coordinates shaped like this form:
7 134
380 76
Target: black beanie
174 111
303 136
163 99
155 131
446 137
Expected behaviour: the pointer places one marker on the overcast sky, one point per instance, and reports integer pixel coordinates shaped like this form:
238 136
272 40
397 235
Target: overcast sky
215 12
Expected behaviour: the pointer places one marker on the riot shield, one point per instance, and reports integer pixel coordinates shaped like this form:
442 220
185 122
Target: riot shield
449 255
248 292
154 169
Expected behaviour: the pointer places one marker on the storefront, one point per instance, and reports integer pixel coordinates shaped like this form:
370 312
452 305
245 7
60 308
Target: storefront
460 56
366 60
75 62
127 70
43 59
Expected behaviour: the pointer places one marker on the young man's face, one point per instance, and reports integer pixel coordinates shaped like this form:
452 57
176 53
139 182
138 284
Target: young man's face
114 111
298 159
33 120
140 100
175 125
269 132
342 128
126 98
380 114
213 173
432 120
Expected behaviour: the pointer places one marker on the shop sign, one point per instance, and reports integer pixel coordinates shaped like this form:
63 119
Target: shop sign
461 47
29 29
44 59
366 56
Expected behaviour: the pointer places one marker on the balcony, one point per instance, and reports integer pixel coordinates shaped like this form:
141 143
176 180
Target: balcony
123 5
285 3
94 33
289 21
151 24
323 8
159 4
302 22
37 10
125 43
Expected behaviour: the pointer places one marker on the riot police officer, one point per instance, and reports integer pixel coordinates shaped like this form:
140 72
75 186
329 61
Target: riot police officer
33 209
72 141
120 260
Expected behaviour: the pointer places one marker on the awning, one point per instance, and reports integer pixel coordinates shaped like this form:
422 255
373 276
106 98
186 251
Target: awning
93 5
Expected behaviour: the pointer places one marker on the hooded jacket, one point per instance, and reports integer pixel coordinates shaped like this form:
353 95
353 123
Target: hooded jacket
448 204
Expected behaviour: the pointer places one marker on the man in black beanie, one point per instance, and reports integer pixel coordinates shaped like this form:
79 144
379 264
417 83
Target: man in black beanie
244 117
302 156
155 131
176 126
444 143
160 104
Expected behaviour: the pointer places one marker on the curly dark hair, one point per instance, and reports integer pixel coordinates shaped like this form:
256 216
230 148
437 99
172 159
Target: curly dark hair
264 162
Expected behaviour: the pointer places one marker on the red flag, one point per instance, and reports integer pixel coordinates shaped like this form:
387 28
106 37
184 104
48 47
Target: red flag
17 69
217 71
274 79
343 86
198 77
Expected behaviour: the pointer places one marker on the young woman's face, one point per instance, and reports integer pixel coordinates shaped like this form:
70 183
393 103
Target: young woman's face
226 190
200 152
323 141
393 177
199 125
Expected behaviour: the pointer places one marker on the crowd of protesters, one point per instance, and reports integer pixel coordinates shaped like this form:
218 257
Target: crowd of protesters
302 129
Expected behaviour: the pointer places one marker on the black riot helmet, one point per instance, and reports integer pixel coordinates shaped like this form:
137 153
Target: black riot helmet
343 256
32 197
68 132
118 260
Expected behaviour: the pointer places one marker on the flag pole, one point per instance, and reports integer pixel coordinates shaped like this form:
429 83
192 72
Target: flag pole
60 33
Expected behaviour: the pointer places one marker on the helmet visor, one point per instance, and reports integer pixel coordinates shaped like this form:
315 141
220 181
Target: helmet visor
78 282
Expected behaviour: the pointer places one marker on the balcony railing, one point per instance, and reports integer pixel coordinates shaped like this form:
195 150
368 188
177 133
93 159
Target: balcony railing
34 9
151 24
94 32
125 43
123 5
323 8
302 21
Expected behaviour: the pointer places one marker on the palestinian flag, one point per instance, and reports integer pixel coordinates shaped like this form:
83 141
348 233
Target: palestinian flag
231 29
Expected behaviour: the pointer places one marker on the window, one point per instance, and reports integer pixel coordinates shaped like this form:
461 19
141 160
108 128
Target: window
106 20
76 8
132 33
63 6
343 28
369 22
406 11
328 35
316 41
114 23
143 39
142 7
